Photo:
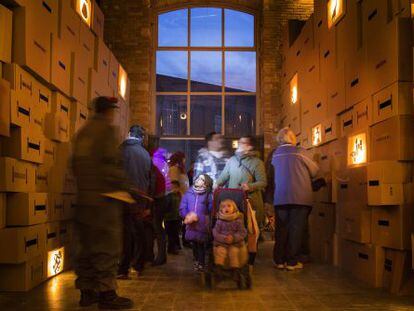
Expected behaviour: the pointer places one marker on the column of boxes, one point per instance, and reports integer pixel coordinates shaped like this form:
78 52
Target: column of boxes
45 89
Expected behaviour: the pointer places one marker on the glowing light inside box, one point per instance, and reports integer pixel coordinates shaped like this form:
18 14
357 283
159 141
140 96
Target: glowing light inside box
235 144
55 261
122 82
357 149
84 9
336 10
294 89
317 135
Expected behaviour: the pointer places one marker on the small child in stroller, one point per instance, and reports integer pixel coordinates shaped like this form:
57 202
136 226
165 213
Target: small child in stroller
229 233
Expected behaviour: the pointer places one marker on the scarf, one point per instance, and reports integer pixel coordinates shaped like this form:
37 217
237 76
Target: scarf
228 217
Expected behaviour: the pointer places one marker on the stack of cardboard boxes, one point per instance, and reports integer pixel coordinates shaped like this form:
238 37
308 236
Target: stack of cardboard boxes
53 61
348 95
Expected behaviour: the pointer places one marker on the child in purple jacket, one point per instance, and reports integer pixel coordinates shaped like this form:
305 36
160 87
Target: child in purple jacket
229 233
195 208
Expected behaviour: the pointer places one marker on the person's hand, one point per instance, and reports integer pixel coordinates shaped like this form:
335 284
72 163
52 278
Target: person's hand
245 187
229 239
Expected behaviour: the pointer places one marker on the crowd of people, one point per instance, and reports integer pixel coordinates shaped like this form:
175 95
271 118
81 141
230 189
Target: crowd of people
172 207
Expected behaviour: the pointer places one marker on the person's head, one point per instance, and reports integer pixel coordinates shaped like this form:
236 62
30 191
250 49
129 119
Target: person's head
177 159
246 143
214 141
228 207
203 183
175 186
137 131
286 136
105 107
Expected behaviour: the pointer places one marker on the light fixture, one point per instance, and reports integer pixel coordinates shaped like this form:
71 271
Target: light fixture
122 82
183 116
235 144
55 261
357 149
335 11
84 9
294 89
317 135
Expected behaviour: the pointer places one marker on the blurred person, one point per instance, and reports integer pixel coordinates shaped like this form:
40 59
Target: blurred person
246 171
172 219
137 165
212 159
97 166
177 171
293 173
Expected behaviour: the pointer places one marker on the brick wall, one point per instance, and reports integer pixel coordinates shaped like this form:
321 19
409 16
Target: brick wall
129 33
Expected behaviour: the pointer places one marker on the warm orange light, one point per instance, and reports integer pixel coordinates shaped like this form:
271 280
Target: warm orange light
335 11
316 135
235 144
84 9
55 261
357 149
122 82
294 89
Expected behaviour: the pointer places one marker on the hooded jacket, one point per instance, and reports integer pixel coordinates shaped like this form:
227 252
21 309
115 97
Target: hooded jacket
161 169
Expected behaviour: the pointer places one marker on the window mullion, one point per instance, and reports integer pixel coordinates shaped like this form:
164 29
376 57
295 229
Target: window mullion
189 75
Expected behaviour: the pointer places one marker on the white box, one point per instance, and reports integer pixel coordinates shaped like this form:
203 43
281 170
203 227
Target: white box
16 176
25 209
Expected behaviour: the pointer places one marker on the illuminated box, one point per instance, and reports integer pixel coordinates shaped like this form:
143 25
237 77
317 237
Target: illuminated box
4 108
25 209
336 10
352 185
79 116
16 176
354 221
357 149
386 181
98 20
396 99
113 73
392 139
362 114
84 10
28 242
55 261
123 83
33 25
2 210
24 276
346 123
317 135
25 144
392 226
6 18
363 261
61 58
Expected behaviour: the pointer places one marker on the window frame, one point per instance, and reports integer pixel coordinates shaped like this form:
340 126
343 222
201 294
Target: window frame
223 49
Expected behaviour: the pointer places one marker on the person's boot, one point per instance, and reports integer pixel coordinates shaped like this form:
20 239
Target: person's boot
88 298
110 300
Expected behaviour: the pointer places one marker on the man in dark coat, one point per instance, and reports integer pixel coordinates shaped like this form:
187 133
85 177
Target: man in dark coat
97 165
137 232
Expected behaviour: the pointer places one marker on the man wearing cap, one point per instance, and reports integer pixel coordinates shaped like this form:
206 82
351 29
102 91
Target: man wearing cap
97 165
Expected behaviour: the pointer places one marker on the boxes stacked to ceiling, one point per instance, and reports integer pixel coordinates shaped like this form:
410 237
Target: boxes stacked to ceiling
347 92
53 61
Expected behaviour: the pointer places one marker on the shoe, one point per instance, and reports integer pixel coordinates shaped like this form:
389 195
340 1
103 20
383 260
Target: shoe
110 300
280 266
298 266
88 298
123 276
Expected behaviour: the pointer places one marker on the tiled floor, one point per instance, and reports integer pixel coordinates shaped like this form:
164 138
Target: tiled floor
176 287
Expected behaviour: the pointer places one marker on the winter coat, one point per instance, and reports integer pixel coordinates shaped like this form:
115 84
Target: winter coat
201 204
207 163
247 169
172 206
234 228
137 163
294 171
160 173
176 174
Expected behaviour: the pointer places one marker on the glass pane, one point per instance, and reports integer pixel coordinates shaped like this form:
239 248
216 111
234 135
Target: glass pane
205 115
173 28
206 71
240 71
240 115
171 115
172 71
189 147
239 29
206 27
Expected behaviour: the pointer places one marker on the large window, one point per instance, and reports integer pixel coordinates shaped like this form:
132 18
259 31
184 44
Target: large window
205 73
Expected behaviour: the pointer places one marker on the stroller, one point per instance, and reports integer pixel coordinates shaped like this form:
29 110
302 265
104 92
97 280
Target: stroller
213 273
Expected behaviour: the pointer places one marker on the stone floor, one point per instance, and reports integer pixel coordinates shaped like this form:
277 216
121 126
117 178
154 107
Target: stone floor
175 287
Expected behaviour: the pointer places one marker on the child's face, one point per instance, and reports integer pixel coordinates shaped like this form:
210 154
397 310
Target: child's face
227 208
200 181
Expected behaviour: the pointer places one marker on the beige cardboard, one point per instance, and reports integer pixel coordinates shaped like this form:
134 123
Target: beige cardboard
61 65
2 210
79 116
6 21
352 185
97 20
16 176
362 115
354 221
4 107
52 240
346 123
25 209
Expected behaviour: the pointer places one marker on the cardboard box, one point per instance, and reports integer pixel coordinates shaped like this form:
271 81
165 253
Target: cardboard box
394 100
338 153
22 277
4 108
352 185
24 144
42 178
79 79
84 9
396 269
32 27
16 176
87 45
66 233
42 98
25 209
123 84
335 82
68 24
363 261
392 226
346 123
354 221
97 20
57 128
6 21
50 153
79 116
391 139
357 83
386 181
69 205
113 72
61 65
52 236
330 129
358 149
97 87
323 215
2 210
102 59
362 115
28 242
